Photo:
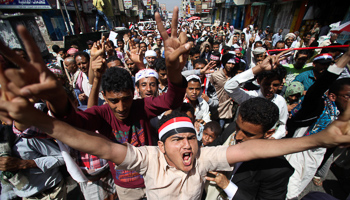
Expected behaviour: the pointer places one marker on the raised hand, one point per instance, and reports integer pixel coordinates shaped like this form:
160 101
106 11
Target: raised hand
208 69
136 56
32 79
173 48
98 49
97 55
271 62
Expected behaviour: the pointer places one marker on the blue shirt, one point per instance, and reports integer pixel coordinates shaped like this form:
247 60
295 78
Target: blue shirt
275 38
47 157
306 78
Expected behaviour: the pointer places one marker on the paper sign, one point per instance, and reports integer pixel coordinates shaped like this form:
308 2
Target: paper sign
113 37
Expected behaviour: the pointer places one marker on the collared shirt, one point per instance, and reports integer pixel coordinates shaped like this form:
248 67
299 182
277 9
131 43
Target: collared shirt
306 78
292 72
47 157
225 108
233 89
201 110
275 38
166 182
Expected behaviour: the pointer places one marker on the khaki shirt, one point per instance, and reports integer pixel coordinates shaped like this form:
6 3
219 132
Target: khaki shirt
165 182
227 107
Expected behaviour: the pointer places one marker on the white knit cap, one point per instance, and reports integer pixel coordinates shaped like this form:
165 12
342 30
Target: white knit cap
150 53
145 73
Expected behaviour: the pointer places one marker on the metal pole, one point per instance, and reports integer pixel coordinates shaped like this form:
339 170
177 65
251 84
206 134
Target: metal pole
64 18
82 29
70 21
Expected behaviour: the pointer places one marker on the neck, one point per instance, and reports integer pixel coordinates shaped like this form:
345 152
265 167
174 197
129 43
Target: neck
228 74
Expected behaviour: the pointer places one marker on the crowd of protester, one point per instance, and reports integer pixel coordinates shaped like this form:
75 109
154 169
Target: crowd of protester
185 87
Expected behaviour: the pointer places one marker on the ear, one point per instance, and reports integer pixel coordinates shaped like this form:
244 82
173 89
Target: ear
161 146
332 96
258 80
269 133
104 96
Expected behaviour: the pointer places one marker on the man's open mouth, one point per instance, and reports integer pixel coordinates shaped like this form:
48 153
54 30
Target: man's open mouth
187 158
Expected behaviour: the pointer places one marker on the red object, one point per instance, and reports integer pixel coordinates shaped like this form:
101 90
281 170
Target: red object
168 31
342 28
309 48
193 18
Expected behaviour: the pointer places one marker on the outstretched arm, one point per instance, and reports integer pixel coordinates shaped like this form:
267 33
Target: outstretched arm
337 133
22 111
33 79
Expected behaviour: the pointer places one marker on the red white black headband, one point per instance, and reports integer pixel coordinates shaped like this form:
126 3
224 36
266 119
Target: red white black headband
324 57
216 58
174 126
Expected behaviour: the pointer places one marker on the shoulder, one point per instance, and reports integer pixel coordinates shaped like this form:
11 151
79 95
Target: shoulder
276 167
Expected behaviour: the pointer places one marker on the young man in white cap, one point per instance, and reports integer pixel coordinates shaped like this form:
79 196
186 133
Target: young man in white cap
259 55
146 83
193 97
151 58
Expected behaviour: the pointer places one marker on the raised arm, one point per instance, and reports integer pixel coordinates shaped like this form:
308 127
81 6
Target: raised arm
337 133
33 79
175 49
22 111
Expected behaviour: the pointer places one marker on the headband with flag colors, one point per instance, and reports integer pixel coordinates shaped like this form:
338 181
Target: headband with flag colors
216 58
174 126
324 57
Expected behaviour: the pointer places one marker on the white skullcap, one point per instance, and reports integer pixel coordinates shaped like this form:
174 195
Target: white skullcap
290 35
145 73
150 53
193 77
259 50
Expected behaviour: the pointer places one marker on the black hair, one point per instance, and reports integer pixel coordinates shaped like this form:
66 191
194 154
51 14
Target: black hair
55 48
218 43
81 54
117 79
281 41
259 111
216 53
279 72
226 48
303 52
213 126
111 43
194 51
143 43
157 49
186 107
200 61
227 57
166 118
113 58
308 33
190 39
120 40
338 85
62 49
160 64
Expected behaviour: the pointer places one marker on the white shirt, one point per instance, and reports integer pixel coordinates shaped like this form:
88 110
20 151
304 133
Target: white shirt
202 110
233 89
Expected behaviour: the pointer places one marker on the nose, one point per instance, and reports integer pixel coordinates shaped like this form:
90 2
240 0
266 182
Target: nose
148 87
120 106
186 143
239 135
